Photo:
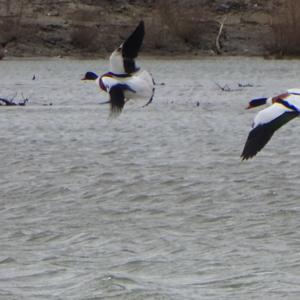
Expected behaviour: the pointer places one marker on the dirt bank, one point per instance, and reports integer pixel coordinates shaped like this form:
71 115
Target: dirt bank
95 27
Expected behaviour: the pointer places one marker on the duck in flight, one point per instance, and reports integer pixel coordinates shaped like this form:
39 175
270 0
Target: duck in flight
125 80
284 108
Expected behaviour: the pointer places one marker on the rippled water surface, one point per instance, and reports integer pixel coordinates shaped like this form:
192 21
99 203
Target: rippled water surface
155 204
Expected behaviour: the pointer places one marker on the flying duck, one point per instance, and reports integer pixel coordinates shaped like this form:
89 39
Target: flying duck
284 108
125 80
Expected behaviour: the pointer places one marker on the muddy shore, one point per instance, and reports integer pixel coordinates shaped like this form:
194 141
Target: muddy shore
92 28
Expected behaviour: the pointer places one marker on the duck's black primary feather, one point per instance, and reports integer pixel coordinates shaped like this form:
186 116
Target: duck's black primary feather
260 135
117 99
132 45
131 48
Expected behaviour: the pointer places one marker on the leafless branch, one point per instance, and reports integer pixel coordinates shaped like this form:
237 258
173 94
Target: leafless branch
226 88
11 102
218 46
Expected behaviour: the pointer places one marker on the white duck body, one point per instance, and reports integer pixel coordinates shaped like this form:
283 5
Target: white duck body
292 99
125 80
136 86
294 92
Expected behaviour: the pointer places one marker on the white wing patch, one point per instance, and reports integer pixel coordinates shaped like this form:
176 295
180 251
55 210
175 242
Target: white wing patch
269 114
116 62
294 91
109 82
294 100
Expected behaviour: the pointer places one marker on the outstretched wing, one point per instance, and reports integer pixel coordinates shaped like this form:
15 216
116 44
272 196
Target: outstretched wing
132 46
266 123
117 100
122 59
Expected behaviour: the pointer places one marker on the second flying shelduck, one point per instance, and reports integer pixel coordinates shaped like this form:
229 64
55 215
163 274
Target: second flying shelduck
284 108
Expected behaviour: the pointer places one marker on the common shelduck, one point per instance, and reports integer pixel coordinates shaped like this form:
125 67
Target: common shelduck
284 108
125 80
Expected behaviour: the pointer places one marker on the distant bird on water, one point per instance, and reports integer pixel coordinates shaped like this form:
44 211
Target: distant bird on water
125 80
284 108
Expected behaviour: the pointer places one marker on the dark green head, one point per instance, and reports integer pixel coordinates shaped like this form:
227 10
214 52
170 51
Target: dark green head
257 102
90 76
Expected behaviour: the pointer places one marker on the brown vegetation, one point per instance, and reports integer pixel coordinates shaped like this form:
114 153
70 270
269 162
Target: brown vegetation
83 37
95 27
9 31
286 29
10 26
190 24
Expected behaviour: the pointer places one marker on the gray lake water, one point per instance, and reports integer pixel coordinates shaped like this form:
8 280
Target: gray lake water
155 204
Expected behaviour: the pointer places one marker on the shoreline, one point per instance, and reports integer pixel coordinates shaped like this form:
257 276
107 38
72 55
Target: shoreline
148 56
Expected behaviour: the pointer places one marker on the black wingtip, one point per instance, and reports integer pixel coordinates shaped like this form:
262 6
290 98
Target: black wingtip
140 29
142 24
131 48
253 146
115 112
246 157
134 42
249 151
259 136
117 100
